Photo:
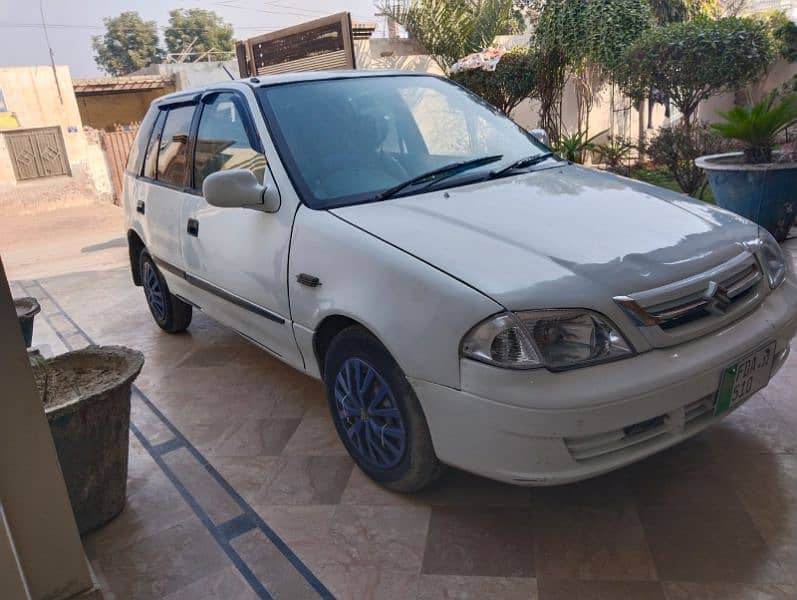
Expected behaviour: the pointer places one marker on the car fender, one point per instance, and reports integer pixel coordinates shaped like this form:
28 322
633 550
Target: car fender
418 312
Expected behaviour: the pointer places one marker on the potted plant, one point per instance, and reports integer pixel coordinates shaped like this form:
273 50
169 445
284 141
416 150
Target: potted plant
27 308
86 397
757 183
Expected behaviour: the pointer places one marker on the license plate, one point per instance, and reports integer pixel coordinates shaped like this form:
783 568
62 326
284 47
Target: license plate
745 378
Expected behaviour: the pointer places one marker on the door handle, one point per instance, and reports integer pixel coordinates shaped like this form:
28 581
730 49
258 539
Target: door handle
193 227
140 207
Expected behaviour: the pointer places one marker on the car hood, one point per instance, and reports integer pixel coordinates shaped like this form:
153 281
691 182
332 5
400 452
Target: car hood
562 236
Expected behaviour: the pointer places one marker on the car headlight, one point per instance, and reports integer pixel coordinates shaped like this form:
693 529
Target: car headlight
771 255
555 339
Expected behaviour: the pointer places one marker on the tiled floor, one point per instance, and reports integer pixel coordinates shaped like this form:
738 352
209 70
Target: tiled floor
239 488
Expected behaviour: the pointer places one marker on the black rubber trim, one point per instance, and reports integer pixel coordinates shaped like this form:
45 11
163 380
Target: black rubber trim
167 266
219 292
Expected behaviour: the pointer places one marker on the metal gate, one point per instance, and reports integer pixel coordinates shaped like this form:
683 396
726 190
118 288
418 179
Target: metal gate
116 145
37 153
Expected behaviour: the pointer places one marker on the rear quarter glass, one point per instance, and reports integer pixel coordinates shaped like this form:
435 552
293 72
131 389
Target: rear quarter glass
138 149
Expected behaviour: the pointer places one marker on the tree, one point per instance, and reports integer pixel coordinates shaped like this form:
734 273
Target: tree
678 11
201 30
513 80
782 34
691 61
451 29
128 44
583 39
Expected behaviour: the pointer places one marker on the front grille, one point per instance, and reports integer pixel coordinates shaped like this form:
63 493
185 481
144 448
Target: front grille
686 309
697 306
588 448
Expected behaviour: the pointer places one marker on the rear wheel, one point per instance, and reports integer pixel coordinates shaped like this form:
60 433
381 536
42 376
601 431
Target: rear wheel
170 313
376 413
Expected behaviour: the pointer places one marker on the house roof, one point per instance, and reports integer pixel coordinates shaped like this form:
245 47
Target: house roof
128 83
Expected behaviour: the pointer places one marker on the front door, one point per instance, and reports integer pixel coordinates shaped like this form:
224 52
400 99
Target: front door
238 257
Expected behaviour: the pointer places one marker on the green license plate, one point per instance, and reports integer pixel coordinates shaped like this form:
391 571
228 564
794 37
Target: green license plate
744 378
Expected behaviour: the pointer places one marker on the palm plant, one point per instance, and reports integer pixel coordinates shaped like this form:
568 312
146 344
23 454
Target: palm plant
614 151
758 126
451 29
574 147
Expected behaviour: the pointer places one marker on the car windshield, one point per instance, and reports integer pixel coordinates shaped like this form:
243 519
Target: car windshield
347 141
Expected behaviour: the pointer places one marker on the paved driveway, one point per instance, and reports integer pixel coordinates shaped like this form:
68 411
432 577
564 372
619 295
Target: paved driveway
239 487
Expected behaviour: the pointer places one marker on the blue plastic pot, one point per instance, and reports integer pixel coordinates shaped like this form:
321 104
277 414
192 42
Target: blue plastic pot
764 193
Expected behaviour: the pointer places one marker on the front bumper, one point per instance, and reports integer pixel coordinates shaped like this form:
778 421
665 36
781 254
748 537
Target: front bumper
543 428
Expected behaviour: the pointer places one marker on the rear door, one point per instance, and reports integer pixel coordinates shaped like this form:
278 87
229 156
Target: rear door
166 171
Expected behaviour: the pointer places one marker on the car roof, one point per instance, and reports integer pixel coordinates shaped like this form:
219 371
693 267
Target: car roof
269 80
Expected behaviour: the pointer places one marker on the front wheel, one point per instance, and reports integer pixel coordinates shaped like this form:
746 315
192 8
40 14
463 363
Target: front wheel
376 413
170 313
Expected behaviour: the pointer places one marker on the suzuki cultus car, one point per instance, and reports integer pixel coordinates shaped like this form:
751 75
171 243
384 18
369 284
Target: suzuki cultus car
467 297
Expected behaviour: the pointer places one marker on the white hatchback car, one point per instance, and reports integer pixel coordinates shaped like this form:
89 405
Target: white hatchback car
467 297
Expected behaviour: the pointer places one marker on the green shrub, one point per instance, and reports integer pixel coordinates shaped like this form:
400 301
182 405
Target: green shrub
676 149
692 61
614 152
513 80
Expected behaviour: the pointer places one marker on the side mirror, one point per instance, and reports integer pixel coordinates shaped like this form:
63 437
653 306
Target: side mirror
541 135
239 188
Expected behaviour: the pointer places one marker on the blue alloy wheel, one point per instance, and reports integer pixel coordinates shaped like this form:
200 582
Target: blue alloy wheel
154 292
369 413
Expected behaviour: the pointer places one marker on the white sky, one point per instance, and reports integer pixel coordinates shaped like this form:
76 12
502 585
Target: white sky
72 23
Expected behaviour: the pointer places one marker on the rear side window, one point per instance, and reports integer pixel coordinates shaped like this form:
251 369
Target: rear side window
151 156
139 147
222 141
173 148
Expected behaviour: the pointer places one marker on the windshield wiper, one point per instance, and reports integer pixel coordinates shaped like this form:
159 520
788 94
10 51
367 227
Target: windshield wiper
439 174
523 163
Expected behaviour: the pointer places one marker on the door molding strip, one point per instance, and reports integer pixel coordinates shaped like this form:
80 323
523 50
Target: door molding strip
212 288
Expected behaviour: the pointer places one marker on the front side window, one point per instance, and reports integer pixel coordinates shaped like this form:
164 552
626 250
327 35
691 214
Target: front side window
173 150
223 143
347 140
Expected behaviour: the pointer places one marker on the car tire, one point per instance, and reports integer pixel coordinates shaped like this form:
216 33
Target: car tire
379 419
169 312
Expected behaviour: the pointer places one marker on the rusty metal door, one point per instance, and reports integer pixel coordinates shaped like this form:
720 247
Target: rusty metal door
116 145
37 153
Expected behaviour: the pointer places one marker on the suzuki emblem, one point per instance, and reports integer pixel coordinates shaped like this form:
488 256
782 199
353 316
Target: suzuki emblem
718 299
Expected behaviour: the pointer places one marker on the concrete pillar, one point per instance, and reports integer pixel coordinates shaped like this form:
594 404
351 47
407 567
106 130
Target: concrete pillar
41 556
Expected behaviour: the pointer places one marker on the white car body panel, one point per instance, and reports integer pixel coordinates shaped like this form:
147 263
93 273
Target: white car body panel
420 271
513 425
397 297
513 238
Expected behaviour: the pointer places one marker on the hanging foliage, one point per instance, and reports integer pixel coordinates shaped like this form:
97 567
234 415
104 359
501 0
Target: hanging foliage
592 31
583 39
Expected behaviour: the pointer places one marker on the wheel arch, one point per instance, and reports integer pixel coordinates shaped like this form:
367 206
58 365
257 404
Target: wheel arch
135 246
328 328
